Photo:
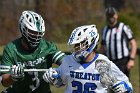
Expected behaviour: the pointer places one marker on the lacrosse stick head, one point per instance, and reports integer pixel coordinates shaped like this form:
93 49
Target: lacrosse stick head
104 68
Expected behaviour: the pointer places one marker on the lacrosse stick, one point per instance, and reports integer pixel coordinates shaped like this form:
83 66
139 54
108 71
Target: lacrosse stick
106 77
7 69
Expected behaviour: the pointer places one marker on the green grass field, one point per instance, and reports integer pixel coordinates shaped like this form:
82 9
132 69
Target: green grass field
134 77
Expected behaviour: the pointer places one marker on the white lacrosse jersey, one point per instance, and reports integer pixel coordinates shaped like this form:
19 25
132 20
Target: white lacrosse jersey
85 78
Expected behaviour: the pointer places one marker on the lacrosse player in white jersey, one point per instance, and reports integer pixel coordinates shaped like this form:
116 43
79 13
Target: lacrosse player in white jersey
78 71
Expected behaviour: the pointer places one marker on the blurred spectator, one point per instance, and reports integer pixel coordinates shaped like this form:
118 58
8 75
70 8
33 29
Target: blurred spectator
115 40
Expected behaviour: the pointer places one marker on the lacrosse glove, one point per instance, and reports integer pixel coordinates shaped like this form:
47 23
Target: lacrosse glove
52 76
17 72
121 87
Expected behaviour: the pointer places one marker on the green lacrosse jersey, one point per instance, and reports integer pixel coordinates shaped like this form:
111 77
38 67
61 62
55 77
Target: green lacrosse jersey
42 58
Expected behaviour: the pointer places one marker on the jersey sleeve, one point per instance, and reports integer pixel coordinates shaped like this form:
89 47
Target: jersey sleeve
58 57
115 71
7 59
62 79
128 32
56 54
60 69
119 75
63 70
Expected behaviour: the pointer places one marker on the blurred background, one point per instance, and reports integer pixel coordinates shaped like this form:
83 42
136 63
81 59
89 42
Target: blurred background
62 16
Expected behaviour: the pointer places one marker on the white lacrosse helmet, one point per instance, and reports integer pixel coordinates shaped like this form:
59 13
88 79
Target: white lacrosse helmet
32 27
83 41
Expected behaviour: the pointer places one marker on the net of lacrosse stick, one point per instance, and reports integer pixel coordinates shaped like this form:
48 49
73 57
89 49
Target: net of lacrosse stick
7 69
106 76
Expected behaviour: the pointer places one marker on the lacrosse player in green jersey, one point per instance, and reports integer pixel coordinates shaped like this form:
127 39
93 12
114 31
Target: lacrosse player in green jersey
29 51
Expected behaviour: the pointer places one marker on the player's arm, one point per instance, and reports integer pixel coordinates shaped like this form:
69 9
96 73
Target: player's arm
55 54
6 60
16 72
133 45
133 51
123 84
55 76
112 77
57 57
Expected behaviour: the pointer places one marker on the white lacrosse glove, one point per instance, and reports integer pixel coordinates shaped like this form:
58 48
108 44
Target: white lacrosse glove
17 72
121 87
50 76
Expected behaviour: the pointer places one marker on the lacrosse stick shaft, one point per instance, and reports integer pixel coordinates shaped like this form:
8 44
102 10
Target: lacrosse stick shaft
4 68
26 70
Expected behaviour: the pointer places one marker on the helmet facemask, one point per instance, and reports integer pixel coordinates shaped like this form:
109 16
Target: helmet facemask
79 49
83 49
32 37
